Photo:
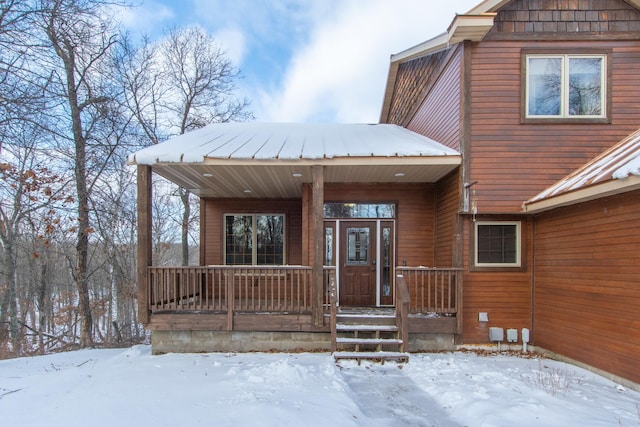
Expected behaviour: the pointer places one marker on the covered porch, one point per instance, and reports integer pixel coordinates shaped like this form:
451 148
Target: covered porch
295 175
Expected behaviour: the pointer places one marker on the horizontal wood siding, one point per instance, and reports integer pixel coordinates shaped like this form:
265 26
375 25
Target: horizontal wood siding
212 228
587 287
514 161
438 117
504 295
415 215
446 218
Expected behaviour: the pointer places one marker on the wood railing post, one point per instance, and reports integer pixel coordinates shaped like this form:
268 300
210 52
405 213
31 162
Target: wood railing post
402 311
229 282
459 309
333 301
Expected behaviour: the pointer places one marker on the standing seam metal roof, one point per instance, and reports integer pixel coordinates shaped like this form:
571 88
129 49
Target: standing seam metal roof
291 141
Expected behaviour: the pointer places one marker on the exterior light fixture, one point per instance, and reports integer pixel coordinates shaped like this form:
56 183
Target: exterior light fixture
297 175
207 175
399 174
247 191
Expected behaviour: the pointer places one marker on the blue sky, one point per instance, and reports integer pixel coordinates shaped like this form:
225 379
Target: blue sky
307 60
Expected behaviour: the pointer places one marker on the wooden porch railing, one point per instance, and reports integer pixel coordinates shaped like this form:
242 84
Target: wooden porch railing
432 290
230 288
284 289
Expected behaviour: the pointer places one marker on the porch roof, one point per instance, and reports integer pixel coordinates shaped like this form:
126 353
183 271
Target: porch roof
272 160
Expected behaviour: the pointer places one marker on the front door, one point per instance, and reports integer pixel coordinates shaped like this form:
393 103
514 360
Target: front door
358 272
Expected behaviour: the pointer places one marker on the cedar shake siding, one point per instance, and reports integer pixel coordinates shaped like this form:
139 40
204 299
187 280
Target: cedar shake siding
418 92
586 283
558 18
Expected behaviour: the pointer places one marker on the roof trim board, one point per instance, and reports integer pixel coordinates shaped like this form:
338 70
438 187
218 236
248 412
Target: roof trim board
609 188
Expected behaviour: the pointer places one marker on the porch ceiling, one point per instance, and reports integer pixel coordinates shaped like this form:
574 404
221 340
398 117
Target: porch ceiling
273 160
281 180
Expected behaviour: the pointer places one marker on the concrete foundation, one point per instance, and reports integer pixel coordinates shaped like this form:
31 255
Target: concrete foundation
431 342
216 341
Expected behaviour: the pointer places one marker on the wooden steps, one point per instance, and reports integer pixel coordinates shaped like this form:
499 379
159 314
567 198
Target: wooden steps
368 336
381 356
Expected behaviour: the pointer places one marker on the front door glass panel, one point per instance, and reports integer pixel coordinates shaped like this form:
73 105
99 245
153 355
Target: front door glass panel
357 245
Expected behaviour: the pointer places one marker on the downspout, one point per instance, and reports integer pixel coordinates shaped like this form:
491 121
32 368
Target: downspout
533 279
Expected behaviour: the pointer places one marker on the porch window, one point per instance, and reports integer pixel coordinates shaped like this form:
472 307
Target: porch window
254 239
497 244
359 210
565 86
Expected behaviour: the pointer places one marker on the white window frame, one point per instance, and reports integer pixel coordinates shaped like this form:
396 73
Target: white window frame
564 86
254 246
518 262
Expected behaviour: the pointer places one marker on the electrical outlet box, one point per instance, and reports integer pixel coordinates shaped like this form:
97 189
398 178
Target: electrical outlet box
483 316
496 334
512 335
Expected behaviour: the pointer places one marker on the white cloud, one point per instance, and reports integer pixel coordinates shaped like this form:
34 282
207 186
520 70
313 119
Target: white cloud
148 18
341 73
233 42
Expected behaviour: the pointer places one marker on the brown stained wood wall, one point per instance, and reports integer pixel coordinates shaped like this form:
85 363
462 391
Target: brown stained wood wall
505 295
514 161
212 226
415 215
438 117
414 227
587 290
446 219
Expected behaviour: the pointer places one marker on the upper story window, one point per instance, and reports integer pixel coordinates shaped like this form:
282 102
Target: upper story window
497 244
254 239
566 86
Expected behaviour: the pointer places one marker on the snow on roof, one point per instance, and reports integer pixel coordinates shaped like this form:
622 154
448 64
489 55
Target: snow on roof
290 141
618 162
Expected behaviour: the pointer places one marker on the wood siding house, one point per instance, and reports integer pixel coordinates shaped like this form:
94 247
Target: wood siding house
479 202
502 86
304 229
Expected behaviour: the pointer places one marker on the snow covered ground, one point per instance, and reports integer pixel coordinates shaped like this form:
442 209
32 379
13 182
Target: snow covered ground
130 387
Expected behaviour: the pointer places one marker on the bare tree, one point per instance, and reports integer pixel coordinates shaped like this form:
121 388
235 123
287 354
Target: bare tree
27 186
180 84
79 41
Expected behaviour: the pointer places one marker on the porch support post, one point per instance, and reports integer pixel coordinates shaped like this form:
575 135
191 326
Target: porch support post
144 240
317 172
